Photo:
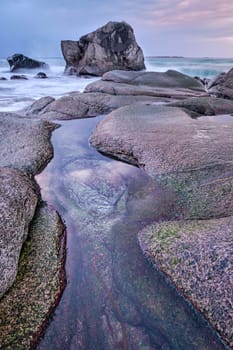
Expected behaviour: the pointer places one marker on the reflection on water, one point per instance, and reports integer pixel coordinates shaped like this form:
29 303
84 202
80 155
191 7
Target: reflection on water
114 299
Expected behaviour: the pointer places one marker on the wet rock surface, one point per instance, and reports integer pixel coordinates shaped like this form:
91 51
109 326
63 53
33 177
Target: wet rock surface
18 200
222 85
24 310
112 46
117 89
193 159
178 248
19 61
114 299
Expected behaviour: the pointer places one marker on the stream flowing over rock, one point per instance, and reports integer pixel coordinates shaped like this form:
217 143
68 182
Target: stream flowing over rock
112 46
192 158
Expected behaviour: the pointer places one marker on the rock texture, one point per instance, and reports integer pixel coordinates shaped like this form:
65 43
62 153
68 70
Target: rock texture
222 86
117 89
170 84
18 61
191 157
112 46
25 143
177 248
198 106
18 200
25 309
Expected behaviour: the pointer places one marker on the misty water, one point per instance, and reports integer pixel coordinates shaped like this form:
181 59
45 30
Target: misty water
114 298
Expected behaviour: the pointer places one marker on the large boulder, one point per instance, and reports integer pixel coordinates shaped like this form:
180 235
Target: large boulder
19 61
191 157
112 46
170 84
18 202
222 85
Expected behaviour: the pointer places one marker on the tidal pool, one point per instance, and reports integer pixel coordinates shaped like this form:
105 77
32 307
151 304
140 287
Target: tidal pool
114 298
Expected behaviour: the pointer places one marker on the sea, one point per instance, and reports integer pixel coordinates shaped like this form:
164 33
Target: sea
17 94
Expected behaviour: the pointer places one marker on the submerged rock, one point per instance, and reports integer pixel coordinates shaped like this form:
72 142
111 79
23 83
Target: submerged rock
41 75
18 61
197 257
18 200
112 46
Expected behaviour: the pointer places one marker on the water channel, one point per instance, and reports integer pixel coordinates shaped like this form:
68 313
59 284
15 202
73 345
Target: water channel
114 298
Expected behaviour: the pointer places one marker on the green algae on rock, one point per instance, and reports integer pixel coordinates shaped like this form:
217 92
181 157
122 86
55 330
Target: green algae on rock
25 308
197 257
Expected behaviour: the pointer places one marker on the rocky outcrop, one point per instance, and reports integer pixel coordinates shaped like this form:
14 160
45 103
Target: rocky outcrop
198 106
191 157
222 86
196 255
170 84
19 61
18 77
117 89
112 46
25 309
18 200
25 143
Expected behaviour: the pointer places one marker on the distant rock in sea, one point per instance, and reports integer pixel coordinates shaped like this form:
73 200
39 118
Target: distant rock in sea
110 47
19 61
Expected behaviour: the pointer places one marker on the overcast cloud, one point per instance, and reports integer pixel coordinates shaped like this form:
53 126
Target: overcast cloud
162 27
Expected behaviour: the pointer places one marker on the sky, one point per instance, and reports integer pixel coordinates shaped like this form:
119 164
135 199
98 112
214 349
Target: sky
190 28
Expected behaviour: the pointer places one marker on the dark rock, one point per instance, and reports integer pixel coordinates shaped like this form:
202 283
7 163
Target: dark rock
3 78
112 46
18 61
19 77
222 86
41 75
205 105
18 202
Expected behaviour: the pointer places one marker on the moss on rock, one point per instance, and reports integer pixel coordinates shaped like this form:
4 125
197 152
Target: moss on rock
25 308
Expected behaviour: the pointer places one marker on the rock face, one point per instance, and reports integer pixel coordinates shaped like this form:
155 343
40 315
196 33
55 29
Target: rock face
222 86
24 143
177 248
18 61
191 157
18 201
112 46
117 89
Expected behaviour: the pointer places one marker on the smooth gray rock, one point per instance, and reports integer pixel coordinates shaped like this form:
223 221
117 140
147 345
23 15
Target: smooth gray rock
170 84
205 105
194 158
18 200
112 46
19 61
25 143
79 105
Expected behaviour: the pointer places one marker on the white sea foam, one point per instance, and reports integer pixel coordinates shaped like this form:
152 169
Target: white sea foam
17 94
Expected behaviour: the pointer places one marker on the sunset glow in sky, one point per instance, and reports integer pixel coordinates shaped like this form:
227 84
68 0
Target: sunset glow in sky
193 28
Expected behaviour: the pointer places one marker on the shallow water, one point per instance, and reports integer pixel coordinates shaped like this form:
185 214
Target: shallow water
114 298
